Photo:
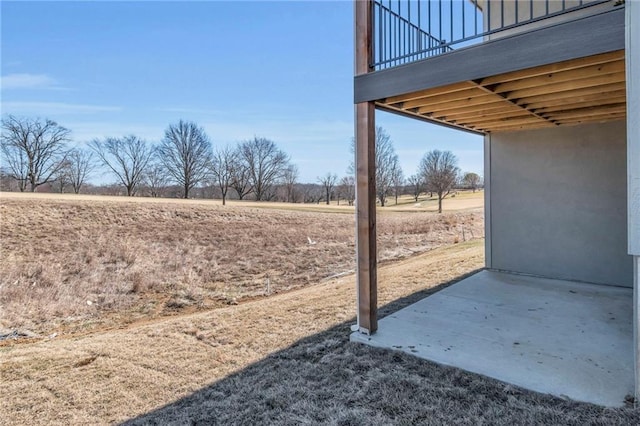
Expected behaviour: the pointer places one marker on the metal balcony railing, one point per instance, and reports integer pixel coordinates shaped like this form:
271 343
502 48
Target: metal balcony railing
405 31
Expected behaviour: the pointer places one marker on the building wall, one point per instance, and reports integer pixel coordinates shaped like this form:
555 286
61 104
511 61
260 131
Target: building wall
499 13
558 203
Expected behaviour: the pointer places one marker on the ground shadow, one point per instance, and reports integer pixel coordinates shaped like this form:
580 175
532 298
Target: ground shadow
326 379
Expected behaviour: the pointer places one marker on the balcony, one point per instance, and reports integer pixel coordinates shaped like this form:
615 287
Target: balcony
409 31
497 65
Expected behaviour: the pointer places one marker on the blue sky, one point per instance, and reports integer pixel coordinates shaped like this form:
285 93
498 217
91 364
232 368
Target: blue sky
280 70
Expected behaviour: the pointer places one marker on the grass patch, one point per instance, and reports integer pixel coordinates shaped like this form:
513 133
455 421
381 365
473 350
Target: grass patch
76 264
279 360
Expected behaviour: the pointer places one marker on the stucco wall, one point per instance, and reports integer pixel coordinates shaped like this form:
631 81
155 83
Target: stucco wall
558 203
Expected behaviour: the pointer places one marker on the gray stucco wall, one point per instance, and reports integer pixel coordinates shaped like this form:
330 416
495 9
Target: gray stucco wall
558 203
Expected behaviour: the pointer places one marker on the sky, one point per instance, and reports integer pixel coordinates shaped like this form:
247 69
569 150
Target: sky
279 70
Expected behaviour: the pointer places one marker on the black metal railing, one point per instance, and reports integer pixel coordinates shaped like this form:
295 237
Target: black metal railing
405 31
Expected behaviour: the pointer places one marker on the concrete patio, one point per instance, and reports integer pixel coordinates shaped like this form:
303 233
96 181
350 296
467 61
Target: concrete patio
568 339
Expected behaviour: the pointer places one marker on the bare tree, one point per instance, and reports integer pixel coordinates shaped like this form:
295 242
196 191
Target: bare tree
347 188
126 157
78 167
16 167
311 193
289 178
328 181
34 150
61 179
265 164
440 172
416 184
155 178
471 180
7 182
241 179
386 164
222 170
397 179
185 151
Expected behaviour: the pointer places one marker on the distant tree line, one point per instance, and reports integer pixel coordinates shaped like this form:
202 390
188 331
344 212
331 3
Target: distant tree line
438 173
36 153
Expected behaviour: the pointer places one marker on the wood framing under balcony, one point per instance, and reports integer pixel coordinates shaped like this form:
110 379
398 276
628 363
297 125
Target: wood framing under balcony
590 89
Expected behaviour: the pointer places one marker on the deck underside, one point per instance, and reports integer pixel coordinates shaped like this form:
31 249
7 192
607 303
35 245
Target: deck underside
584 90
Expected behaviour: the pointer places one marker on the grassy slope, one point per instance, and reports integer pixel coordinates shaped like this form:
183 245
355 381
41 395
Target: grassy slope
282 360
75 264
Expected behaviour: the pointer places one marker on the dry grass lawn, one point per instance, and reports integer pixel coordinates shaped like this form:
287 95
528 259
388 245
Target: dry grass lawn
180 331
279 360
74 264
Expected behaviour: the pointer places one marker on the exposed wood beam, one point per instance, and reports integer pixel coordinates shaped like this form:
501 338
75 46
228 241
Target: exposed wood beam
552 68
559 77
444 98
596 119
577 105
568 99
509 128
512 121
590 112
573 93
427 118
488 117
495 105
510 102
454 105
568 86
464 85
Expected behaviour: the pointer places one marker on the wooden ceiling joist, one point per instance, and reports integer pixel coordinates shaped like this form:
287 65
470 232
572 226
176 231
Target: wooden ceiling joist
511 127
590 112
514 121
577 105
568 86
565 100
443 98
477 109
455 105
552 68
482 114
600 90
559 77
567 93
463 85
487 117
597 119
515 126
511 102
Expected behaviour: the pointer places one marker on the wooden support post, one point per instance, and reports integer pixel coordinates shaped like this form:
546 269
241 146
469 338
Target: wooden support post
365 150
366 250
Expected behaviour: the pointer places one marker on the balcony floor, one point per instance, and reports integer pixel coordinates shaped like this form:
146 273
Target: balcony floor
564 338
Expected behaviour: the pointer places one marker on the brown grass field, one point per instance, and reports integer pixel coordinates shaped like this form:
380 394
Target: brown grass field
283 359
72 264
